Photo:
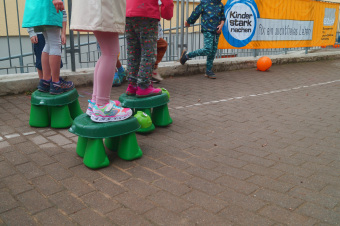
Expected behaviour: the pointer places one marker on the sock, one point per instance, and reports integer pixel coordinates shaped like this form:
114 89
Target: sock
121 69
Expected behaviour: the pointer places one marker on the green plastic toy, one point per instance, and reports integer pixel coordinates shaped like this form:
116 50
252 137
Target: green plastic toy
119 136
143 119
57 111
155 106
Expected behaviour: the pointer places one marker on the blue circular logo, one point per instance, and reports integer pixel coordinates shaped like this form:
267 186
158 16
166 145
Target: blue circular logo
241 20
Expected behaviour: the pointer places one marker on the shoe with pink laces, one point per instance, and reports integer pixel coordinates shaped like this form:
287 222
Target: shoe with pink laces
110 113
89 110
131 90
150 91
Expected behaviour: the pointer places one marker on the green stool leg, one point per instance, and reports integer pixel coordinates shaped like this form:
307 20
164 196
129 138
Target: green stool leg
75 109
150 128
39 116
128 147
161 116
112 143
95 156
60 117
81 146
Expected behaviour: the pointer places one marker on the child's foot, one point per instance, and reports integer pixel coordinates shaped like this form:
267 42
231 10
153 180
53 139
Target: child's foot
150 91
89 110
210 74
61 87
131 90
184 57
116 80
44 85
110 113
156 77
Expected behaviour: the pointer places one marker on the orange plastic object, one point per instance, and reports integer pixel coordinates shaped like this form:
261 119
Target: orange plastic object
264 63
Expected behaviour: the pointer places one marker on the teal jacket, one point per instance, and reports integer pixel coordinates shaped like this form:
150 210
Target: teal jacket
212 12
41 13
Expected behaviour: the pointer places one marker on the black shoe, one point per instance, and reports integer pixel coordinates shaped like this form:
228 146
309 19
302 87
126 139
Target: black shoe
44 85
210 74
184 57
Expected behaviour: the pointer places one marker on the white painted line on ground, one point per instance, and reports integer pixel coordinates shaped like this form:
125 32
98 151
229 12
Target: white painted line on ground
29 133
1 138
260 94
12 135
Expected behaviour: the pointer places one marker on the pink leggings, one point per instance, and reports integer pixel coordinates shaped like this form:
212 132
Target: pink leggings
105 67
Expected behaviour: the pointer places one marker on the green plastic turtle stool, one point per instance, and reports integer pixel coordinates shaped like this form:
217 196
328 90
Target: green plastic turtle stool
57 111
155 106
119 136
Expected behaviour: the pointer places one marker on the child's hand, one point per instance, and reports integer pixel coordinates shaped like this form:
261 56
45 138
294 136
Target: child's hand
34 39
219 28
63 39
59 5
187 24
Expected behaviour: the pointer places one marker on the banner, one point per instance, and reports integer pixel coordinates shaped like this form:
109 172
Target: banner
263 24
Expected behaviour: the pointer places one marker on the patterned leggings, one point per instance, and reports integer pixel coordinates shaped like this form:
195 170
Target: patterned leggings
209 49
141 36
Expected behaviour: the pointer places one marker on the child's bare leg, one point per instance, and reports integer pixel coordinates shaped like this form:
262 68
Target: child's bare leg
45 66
55 67
40 73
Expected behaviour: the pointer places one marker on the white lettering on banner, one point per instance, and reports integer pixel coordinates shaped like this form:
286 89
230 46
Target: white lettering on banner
283 30
329 17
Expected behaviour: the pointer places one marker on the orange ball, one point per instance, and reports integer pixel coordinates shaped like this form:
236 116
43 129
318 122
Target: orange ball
264 63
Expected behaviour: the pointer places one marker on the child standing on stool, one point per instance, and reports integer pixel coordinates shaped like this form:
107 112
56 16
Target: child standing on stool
50 24
141 34
213 19
105 18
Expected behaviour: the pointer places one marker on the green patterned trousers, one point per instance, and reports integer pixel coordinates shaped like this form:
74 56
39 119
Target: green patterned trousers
209 49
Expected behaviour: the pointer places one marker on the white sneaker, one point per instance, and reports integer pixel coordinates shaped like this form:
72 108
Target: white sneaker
110 113
156 75
89 109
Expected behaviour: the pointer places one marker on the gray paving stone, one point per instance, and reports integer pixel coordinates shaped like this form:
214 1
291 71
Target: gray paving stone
18 184
124 216
46 185
77 186
323 214
171 186
53 216
7 201
210 204
15 157
57 171
18 216
240 216
161 216
280 199
34 201
6 169
108 187
134 202
30 170
140 187
100 202
89 217
67 202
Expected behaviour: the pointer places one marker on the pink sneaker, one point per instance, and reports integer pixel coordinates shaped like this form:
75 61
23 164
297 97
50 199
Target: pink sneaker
131 90
150 91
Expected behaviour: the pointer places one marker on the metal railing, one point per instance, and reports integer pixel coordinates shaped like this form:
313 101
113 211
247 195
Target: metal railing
81 50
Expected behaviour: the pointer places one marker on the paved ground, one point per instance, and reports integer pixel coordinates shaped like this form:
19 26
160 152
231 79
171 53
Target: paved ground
250 148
